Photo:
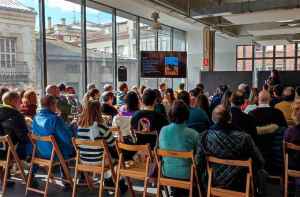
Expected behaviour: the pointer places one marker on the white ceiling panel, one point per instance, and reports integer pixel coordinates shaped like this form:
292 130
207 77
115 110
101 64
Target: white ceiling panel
265 16
275 31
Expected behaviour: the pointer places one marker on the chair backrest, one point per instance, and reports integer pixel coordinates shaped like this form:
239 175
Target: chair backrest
176 154
92 143
228 162
133 148
4 142
286 147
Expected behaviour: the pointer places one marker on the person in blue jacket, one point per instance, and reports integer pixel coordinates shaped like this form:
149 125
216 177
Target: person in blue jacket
48 122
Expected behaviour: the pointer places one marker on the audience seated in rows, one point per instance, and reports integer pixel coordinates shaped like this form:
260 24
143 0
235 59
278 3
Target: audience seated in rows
240 120
286 104
198 118
222 140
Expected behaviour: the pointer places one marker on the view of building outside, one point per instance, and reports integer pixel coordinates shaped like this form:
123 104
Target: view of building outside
21 58
280 57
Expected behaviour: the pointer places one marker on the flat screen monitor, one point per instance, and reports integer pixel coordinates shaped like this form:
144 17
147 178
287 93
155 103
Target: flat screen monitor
163 64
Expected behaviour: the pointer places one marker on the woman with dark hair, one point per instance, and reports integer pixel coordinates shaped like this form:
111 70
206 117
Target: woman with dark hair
2 91
253 101
182 139
225 101
92 94
203 103
168 99
159 107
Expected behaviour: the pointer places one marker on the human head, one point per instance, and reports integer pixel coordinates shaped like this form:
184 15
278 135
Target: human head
237 98
70 90
275 74
200 86
132 101
203 103
245 89
296 111
179 112
29 97
221 115
49 102
2 91
194 93
181 86
94 94
289 94
163 87
108 98
91 86
277 90
158 96
225 101
12 99
61 87
264 97
123 87
52 90
108 88
142 89
185 97
91 113
170 95
149 97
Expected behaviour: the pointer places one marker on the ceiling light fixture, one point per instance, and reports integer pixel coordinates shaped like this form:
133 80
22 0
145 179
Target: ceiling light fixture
285 21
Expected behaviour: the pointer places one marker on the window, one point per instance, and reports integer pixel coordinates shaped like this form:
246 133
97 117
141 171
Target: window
63 42
126 41
99 36
280 57
164 39
8 52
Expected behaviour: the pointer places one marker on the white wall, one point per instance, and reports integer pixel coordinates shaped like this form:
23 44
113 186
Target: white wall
194 56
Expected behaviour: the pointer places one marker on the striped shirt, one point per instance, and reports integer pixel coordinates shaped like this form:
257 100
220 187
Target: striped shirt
89 154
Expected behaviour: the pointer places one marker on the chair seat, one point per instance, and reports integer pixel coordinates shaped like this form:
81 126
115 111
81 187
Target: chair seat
91 168
226 193
134 169
175 183
294 173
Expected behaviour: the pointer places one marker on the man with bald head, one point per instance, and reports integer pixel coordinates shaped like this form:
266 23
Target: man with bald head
270 128
222 140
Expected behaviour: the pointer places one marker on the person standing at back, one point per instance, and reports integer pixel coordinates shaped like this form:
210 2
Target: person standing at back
198 118
156 120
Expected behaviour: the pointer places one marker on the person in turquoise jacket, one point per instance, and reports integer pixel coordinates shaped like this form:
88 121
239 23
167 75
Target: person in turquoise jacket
178 137
47 122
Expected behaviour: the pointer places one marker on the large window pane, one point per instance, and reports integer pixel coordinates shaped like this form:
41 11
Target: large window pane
99 44
240 52
258 51
259 64
19 32
290 64
179 40
279 50
269 51
298 49
248 51
268 64
279 64
63 28
244 65
147 43
290 50
126 42
164 39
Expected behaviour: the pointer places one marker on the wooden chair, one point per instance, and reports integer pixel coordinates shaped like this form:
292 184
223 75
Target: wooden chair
106 165
46 163
117 133
143 133
5 164
164 181
133 169
287 172
221 192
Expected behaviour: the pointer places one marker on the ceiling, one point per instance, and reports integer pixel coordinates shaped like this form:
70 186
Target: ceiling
262 20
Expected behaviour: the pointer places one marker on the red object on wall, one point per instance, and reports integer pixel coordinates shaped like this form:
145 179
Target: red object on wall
205 62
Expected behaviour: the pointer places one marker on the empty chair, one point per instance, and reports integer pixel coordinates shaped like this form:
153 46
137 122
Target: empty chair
134 169
223 192
56 159
7 144
184 184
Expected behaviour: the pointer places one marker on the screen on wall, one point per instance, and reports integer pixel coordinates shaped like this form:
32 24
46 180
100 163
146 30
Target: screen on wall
163 64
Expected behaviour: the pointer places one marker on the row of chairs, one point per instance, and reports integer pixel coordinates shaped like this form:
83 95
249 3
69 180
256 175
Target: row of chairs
139 170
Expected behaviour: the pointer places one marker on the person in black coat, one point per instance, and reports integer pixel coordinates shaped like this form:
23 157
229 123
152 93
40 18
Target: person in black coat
241 120
12 123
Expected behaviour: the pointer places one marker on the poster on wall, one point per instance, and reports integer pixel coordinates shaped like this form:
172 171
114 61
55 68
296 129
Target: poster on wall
163 64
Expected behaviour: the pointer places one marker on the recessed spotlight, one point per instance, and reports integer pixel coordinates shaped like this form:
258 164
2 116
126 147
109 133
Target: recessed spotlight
293 24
